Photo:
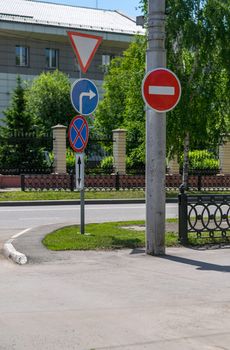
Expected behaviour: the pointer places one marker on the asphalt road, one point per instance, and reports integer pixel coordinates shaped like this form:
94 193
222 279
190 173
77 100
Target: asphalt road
16 219
113 300
119 300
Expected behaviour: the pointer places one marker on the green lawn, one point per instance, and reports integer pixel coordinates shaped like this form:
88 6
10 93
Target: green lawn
65 195
118 235
106 236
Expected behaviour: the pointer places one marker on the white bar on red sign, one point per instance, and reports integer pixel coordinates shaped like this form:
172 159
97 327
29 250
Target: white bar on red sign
161 90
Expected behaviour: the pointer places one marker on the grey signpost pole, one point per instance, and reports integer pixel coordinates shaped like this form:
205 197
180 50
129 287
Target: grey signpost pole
155 137
83 202
82 195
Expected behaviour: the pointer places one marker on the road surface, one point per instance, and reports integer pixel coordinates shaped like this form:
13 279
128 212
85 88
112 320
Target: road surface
16 219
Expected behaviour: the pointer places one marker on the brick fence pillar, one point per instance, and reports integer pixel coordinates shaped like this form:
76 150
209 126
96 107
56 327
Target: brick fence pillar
173 166
59 148
224 156
119 151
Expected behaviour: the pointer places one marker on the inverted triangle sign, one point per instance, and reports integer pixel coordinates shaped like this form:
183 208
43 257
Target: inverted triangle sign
85 47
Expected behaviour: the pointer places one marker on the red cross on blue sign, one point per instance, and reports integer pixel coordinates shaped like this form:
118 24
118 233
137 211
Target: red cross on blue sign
78 133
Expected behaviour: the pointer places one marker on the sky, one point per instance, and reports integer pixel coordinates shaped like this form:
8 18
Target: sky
129 7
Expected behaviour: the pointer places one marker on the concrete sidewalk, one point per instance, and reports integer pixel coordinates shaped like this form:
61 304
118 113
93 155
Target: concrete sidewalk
115 300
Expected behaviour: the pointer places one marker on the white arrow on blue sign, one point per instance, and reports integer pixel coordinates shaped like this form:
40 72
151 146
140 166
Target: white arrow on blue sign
84 96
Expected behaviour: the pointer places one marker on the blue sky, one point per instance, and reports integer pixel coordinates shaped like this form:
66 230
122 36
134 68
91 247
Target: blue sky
129 7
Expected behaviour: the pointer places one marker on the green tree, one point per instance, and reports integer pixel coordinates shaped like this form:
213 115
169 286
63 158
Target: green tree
16 119
197 35
122 105
195 54
48 100
196 46
18 150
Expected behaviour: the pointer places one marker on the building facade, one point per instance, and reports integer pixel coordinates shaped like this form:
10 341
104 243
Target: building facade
33 39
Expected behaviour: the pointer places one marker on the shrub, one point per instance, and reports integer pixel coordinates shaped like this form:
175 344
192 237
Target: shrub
107 163
70 160
202 160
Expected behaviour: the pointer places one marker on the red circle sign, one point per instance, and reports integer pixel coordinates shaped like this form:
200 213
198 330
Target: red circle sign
161 90
78 133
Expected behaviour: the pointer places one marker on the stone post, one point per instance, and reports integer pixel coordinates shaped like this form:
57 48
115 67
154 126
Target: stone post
173 166
119 151
59 148
224 156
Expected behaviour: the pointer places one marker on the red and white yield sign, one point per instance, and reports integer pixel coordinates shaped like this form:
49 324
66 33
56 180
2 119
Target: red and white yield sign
85 47
161 90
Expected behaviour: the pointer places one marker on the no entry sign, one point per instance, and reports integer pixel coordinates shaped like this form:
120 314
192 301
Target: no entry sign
161 90
78 133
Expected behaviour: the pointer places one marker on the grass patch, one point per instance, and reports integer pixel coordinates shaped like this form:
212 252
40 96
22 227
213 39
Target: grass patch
118 235
195 241
105 236
65 195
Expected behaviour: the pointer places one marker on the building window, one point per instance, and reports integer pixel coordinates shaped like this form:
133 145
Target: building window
22 56
106 59
105 63
52 58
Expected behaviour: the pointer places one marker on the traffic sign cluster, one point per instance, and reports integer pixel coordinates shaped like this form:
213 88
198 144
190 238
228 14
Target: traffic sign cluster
84 97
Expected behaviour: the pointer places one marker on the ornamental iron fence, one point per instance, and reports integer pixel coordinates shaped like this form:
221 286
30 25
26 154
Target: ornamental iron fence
112 181
204 216
98 182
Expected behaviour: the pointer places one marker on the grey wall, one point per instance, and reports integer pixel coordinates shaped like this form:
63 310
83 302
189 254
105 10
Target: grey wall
37 64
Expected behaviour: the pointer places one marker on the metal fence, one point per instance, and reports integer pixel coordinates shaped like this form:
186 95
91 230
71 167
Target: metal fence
103 181
98 182
204 216
25 153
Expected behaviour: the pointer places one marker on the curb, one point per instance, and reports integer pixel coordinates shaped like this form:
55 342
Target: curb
77 202
11 253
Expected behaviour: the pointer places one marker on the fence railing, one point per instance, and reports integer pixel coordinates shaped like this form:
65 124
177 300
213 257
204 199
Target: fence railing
23 152
102 181
92 182
206 216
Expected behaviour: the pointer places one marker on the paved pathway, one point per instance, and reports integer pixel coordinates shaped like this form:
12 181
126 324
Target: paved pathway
116 300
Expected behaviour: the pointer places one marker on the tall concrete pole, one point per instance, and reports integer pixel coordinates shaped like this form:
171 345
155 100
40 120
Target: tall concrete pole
155 137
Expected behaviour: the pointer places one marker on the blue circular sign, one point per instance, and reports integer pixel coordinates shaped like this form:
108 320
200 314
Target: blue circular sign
84 96
78 133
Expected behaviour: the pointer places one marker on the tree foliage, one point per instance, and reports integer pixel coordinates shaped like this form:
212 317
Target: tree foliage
17 150
16 117
122 106
197 43
195 54
48 100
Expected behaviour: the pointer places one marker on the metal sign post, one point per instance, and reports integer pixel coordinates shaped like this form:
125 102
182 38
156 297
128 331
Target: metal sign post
78 138
80 172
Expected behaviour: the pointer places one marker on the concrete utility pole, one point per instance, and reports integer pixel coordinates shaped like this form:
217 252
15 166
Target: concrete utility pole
155 137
